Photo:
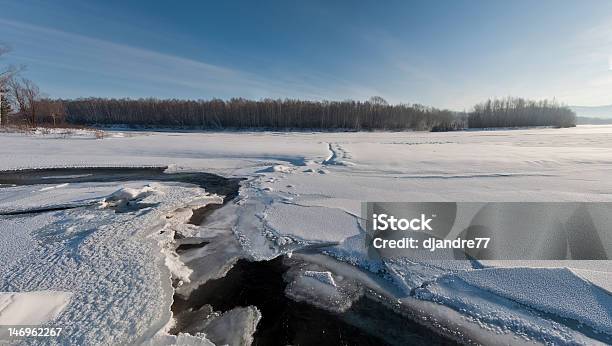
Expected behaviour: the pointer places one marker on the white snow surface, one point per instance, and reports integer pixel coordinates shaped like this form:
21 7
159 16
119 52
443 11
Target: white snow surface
31 308
304 190
558 291
111 263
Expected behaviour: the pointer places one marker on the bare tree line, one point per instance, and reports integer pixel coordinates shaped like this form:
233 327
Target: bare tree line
238 113
373 114
519 112
267 113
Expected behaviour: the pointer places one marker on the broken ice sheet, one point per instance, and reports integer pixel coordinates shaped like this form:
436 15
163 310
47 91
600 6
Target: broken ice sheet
321 288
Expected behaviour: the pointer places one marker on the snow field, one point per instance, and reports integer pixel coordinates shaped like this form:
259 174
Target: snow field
303 192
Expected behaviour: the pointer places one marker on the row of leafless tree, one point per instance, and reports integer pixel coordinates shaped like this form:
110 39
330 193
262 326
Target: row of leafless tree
518 112
240 113
268 113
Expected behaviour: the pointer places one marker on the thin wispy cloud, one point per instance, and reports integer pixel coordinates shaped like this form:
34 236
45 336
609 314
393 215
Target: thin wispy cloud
78 54
450 55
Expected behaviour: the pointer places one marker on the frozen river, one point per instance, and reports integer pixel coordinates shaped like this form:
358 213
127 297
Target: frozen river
300 197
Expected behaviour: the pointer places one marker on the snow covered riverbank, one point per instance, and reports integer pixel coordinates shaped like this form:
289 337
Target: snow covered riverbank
302 194
109 260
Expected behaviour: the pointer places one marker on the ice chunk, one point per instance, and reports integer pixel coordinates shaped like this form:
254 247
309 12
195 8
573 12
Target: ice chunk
234 328
318 287
182 339
126 197
276 168
324 277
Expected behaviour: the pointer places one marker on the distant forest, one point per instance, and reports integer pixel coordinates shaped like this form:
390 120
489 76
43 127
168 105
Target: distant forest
247 114
518 112
374 114
238 113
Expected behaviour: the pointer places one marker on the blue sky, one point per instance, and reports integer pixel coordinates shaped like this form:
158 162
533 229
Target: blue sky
441 53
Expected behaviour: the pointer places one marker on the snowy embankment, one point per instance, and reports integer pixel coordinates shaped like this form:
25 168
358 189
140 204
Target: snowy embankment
303 195
111 259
